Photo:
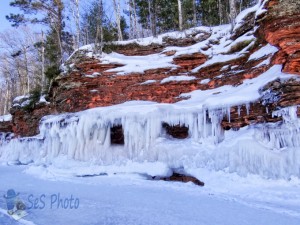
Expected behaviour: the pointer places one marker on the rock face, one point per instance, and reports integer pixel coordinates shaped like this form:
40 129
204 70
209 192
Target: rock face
281 27
26 123
6 127
89 84
180 178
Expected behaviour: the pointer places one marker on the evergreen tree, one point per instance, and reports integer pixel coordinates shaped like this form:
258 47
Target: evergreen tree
210 12
58 44
32 11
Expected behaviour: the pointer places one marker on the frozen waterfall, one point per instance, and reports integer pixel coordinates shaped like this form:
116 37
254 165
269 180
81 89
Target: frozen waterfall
271 150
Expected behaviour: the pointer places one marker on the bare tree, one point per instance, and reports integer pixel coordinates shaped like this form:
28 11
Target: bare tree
131 20
221 11
76 16
232 12
20 64
152 16
99 32
43 83
180 14
195 13
117 10
136 28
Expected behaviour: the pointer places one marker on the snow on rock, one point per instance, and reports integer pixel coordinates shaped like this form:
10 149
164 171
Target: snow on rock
86 136
177 78
262 52
218 59
148 82
5 118
137 64
239 21
43 100
266 62
205 81
160 38
21 100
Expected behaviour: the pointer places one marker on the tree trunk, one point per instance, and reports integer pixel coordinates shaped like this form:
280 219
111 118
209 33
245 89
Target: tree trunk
76 16
43 85
118 18
26 69
58 27
180 14
194 13
220 12
152 14
131 20
233 12
136 29
99 32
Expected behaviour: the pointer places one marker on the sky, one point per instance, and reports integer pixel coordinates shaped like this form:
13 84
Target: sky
5 9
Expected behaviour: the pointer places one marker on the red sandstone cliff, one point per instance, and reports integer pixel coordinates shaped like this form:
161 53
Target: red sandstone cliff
81 89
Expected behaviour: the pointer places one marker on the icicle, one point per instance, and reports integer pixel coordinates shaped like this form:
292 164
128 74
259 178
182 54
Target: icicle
239 110
288 114
248 108
228 113
270 150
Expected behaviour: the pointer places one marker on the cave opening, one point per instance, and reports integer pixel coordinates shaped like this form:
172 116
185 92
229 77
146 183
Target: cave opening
117 135
176 131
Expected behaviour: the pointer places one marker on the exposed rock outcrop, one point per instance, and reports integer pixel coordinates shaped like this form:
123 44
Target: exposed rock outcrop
180 178
281 27
91 83
6 126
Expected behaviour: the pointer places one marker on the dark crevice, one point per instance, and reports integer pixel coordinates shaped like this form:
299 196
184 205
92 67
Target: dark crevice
117 135
177 131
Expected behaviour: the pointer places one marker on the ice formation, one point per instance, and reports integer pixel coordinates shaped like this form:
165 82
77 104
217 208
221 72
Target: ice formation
269 150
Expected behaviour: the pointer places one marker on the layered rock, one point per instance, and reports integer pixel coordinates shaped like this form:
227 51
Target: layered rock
91 83
281 27
6 126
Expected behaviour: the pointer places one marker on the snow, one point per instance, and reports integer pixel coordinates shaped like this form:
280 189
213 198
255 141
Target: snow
137 64
266 62
257 9
5 118
177 78
251 175
261 10
230 96
159 39
126 198
262 52
240 18
205 81
94 75
217 59
226 67
148 82
85 136
20 98
43 100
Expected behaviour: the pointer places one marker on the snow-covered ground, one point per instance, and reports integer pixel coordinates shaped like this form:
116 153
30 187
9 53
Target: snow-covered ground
5 118
126 198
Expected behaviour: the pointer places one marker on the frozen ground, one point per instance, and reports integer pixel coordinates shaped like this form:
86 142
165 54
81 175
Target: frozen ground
127 198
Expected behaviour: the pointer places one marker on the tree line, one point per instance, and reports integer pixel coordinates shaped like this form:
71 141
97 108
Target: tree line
30 59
